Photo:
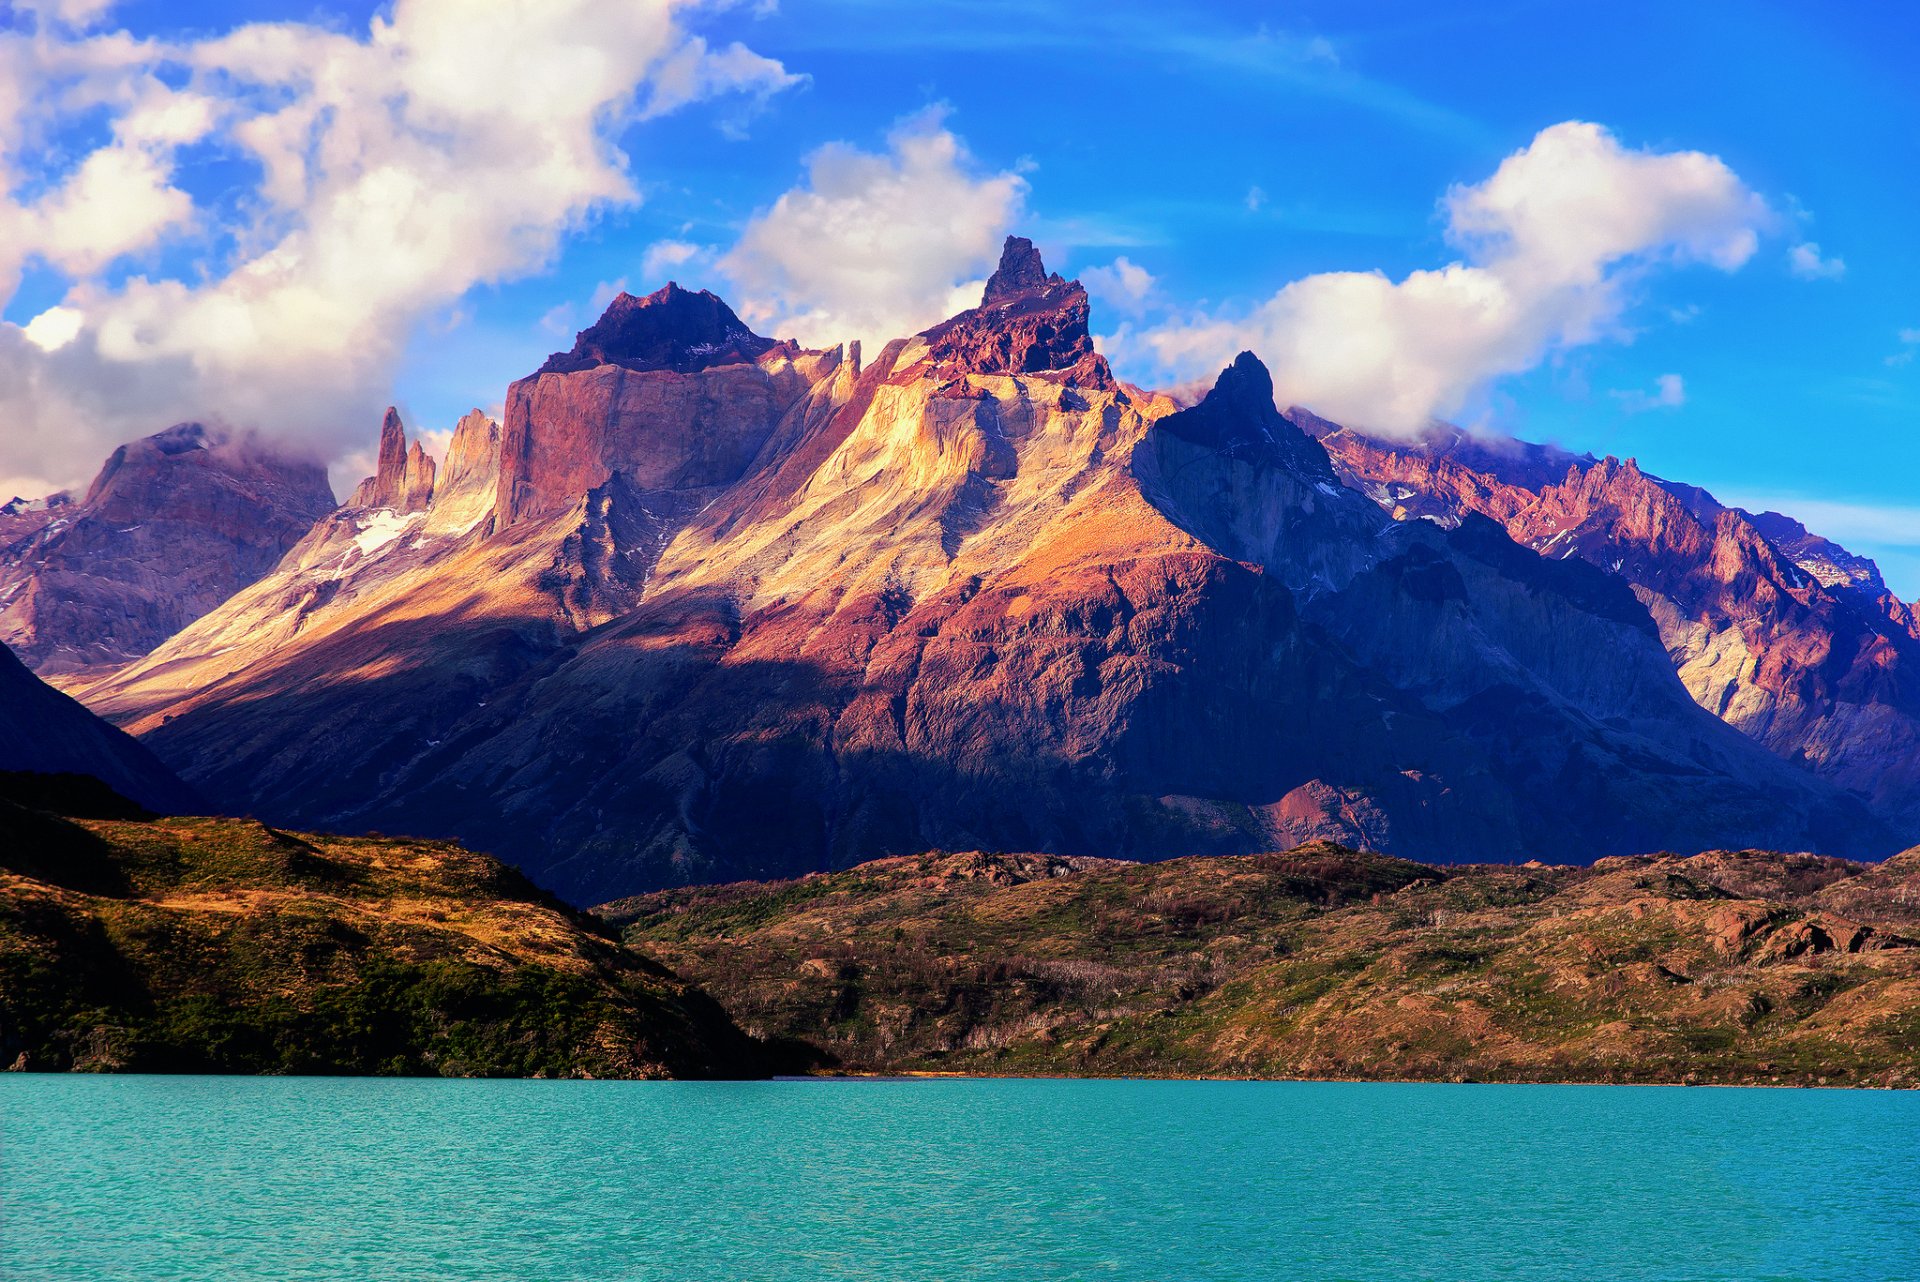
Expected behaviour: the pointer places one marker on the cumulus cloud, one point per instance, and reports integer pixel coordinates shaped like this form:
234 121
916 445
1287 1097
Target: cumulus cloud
1669 393
663 257
1805 261
1122 285
1552 245
873 246
397 168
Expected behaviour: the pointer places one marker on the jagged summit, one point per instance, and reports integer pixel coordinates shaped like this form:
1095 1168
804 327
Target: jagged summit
404 477
670 329
1239 418
1028 322
1020 270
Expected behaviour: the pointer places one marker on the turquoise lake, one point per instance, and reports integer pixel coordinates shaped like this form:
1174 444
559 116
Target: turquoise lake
366 1180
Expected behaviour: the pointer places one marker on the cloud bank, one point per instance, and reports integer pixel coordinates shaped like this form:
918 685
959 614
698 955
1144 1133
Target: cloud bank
392 171
1551 248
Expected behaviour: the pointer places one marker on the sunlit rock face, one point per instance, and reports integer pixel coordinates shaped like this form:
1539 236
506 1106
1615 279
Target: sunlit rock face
173 525
1783 634
742 609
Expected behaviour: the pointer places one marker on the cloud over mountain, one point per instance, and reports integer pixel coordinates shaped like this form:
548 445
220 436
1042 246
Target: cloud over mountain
874 246
1551 248
392 170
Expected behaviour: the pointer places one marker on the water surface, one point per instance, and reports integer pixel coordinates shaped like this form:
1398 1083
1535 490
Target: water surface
361 1180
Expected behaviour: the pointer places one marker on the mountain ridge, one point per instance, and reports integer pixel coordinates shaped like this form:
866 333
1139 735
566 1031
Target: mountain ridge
798 609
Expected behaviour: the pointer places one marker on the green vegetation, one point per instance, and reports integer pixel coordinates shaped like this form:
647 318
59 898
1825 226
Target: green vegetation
220 945
1322 962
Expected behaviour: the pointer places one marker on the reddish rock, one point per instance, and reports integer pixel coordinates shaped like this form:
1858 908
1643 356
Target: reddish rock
1027 323
404 479
669 329
1785 635
173 525
669 391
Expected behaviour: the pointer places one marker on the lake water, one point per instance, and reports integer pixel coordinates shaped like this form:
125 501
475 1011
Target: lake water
371 1180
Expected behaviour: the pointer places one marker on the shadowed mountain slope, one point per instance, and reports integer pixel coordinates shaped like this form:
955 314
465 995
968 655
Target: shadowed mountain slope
1785 635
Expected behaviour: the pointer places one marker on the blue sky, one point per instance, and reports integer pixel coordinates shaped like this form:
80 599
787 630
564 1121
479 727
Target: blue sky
1228 150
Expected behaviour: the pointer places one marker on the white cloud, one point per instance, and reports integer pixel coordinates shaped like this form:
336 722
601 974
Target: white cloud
657 264
1669 393
1256 197
399 168
605 292
1122 285
1552 245
694 72
872 246
53 329
1909 347
1805 261
70 13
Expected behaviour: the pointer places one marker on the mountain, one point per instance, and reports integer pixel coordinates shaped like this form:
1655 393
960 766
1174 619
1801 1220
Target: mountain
45 733
1733 967
742 609
1787 636
172 526
221 945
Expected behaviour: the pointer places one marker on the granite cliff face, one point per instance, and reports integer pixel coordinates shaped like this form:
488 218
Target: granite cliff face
743 609
1783 634
172 526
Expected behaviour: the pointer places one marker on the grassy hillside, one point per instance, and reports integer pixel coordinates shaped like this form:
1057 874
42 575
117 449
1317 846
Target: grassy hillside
222 945
1736 967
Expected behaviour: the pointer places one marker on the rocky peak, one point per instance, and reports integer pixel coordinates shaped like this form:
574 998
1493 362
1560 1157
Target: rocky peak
1239 419
172 525
1828 562
670 329
1020 270
403 480
1028 322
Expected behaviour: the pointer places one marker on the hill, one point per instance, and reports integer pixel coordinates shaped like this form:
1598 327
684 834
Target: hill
1733 967
140 944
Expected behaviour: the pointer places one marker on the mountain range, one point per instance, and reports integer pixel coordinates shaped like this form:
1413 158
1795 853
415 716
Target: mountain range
707 606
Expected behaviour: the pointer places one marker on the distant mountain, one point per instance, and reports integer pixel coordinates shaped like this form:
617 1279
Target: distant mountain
43 732
173 525
1733 967
1785 635
735 608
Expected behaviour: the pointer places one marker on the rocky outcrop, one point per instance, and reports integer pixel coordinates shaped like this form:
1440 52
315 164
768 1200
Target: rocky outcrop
464 491
669 391
404 478
172 526
669 329
44 732
1028 322
1785 635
